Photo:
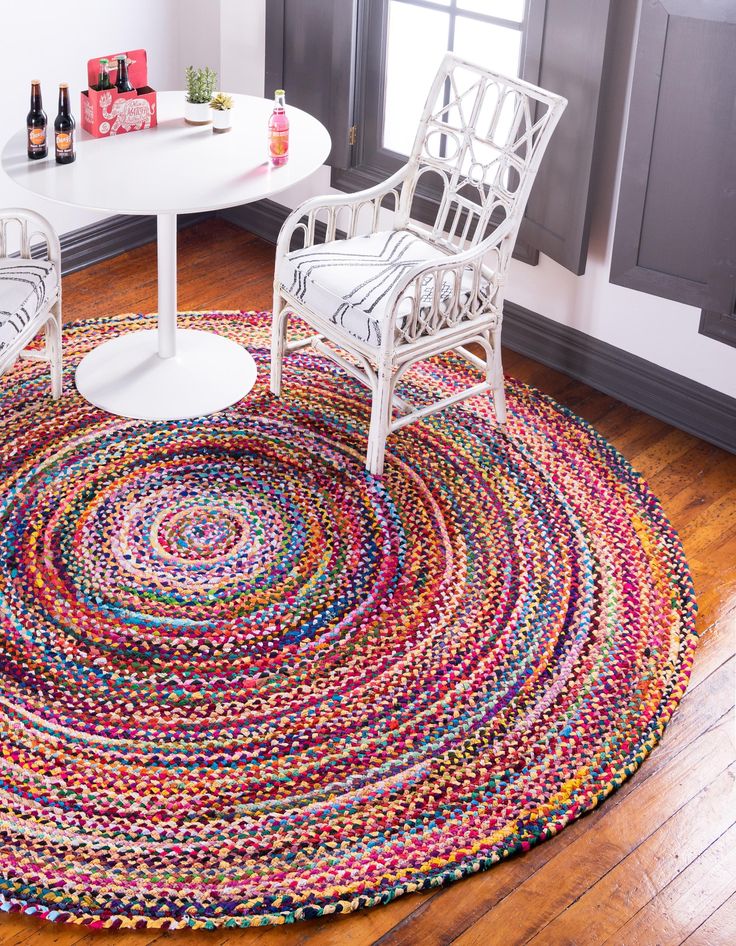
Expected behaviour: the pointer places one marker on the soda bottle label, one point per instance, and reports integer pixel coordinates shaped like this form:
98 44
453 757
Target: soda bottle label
279 143
37 138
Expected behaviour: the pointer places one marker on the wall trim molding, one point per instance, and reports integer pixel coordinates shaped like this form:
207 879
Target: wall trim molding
687 404
109 237
264 218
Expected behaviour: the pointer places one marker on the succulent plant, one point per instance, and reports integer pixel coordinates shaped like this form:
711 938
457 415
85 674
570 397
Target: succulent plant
222 102
201 84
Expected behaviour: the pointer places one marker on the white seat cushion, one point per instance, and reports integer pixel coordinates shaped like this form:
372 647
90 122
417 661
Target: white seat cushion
350 281
26 287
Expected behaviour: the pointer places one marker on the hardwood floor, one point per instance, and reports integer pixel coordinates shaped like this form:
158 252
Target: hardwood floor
656 864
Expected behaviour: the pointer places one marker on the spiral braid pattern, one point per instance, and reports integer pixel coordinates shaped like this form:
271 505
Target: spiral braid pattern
245 683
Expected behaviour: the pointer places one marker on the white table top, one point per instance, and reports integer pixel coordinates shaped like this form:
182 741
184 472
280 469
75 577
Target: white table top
174 167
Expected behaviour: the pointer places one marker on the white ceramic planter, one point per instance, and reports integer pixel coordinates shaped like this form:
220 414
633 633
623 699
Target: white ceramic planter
197 113
221 119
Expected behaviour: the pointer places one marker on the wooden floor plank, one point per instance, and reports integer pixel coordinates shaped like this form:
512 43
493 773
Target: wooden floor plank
653 458
568 875
720 554
224 268
685 468
542 377
715 647
700 495
693 895
703 528
590 404
636 880
448 914
646 432
715 587
718 930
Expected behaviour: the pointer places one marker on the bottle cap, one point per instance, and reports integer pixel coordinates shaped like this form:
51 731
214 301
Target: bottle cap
103 60
35 82
279 92
63 85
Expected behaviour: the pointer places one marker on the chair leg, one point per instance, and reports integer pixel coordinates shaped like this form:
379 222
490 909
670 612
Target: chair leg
496 380
380 420
278 342
54 350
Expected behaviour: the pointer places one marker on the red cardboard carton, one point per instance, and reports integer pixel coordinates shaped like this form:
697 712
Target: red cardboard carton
111 112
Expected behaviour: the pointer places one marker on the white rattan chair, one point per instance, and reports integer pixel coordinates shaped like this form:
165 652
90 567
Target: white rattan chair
399 293
30 293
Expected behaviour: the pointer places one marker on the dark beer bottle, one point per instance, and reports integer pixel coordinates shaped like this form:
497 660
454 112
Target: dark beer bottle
36 122
123 82
64 129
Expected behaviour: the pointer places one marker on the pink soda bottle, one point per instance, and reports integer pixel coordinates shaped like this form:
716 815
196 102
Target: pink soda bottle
278 130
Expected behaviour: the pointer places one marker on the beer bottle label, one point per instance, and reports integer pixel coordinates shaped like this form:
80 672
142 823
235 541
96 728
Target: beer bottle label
64 141
37 139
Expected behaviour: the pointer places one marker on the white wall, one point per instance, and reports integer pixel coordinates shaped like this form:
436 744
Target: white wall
242 45
658 330
198 36
52 41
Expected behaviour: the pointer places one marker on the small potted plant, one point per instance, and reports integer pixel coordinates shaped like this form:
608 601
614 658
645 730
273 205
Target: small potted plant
221 106
201 85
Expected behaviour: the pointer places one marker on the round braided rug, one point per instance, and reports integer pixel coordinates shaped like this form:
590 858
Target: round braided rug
244 682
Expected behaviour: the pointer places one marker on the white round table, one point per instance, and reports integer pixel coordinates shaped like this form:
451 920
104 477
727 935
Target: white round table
171 374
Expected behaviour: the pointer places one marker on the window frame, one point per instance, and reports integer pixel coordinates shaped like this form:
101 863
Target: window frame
370 162
584 43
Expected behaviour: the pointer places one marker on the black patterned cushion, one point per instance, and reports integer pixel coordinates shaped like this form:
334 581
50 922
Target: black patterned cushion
26 287
350 281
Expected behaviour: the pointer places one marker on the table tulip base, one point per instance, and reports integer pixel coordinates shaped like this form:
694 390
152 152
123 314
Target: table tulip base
244 682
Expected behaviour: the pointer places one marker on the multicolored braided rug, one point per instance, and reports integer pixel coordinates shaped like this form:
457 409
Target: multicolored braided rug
244 682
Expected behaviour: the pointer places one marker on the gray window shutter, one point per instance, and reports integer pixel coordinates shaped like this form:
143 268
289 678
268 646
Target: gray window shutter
310 52
571 63
676 223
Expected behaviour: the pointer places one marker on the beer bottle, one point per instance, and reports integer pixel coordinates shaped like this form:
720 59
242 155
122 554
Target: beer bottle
64 129
123 82
36 122
103 79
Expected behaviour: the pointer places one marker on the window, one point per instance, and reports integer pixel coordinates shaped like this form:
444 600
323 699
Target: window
367 65
403 42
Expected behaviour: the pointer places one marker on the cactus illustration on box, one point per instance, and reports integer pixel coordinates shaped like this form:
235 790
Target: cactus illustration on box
201 84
